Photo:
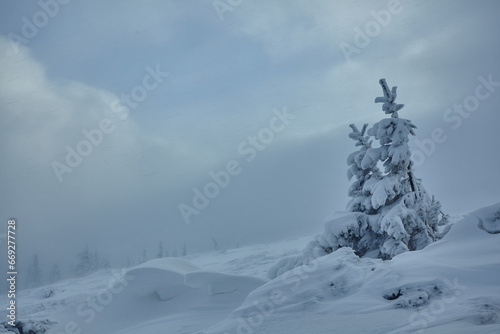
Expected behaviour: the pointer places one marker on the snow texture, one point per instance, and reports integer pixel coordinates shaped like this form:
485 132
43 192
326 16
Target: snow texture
450 286
27 327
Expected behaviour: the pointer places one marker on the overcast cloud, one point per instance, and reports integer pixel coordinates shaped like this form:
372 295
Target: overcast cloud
230 70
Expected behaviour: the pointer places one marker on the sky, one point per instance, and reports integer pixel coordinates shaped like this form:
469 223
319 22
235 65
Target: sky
163 97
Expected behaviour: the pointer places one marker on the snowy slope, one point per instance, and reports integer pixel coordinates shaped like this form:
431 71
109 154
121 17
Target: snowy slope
137 300
451 286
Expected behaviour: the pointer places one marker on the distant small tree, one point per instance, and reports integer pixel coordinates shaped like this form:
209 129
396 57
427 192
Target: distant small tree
184 250
215 243
126 262
34 273
83 265
159 255
95 263
105 264
54 274
144 256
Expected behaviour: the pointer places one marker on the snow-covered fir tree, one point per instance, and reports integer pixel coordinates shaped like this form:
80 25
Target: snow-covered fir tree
390 212
126 262
144 256
405 216
34 278
105 264
215 244
95 262
160 251
83 265
54 274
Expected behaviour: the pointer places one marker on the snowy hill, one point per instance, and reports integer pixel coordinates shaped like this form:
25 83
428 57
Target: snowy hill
451 286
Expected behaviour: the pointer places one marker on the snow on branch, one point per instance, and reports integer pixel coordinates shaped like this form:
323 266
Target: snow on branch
389 106
359 136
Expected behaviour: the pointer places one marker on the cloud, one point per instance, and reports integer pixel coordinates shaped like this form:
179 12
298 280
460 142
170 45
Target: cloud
225 79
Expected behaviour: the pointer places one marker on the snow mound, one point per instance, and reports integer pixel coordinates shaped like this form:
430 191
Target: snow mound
163 277
451 286
172 264
171 277
302 291
417 295
489 218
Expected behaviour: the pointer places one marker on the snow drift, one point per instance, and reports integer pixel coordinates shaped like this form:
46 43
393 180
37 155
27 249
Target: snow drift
168 278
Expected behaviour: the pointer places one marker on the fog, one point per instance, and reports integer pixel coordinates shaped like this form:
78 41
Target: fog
172 92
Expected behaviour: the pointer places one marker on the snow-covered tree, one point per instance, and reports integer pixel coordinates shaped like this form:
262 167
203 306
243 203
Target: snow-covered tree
54 274
34 273
95 262
126 262
394 152
105 264
144 256
406 216
160 251
215 243
389 212
83 265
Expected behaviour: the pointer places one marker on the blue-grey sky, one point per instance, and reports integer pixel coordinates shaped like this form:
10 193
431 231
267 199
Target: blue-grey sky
206 75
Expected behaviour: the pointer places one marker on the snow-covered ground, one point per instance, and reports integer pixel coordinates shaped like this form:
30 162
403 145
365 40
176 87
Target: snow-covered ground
451 286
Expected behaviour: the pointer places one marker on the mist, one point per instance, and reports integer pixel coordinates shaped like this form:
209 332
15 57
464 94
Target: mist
172 91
